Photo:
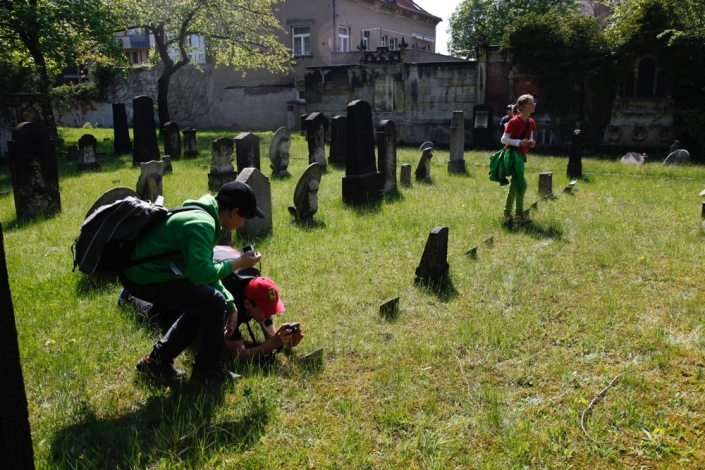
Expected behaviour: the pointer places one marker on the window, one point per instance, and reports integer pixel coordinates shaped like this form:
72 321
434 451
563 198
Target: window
302 40
383 41
136 59
366 40
301 96
343 39
392 44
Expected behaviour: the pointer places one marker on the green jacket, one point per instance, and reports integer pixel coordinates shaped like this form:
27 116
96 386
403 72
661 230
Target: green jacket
194 234
505 163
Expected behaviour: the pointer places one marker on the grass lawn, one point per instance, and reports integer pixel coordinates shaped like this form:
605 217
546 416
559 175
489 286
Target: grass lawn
574 343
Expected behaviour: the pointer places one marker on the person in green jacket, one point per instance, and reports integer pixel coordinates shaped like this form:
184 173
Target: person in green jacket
190 281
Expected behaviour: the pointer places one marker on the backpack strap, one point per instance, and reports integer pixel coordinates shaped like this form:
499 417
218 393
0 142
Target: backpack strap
526 131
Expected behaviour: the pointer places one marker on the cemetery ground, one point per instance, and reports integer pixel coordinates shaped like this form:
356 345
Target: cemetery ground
576 342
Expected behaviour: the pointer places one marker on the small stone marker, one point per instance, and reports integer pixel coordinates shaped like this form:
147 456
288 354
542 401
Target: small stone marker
390 309
338 140
190 144
316 127
306 193
546 184
172 140
121 133
472 252
456 164
387 154
87 151
527 213
534 205
222 170
570 186
702 210
247 151
150 184
146 148
490 242
279 153
433 268
575 161
423 170
406 174
257 227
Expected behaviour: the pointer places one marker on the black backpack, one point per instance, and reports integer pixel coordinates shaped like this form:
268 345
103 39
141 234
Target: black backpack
109 235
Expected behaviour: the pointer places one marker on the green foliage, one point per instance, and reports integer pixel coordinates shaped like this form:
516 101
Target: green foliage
66 96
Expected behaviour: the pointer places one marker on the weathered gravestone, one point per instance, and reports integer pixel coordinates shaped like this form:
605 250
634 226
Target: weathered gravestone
575 160
338 140
110 196
168 168
433 268
257 227
87 153
247 151
190 144
405 174
306 193
457 144
362 181
121 134
316 127
677 157
150 182
279 153
546 184
387 154
389 310
423 170
15 431
222 170
34 169
145 131
633 158
302 124
172 140
72 152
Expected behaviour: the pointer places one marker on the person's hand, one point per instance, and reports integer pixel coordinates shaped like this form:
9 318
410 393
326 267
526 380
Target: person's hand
247 260
524 142
532 144
230 323
290 339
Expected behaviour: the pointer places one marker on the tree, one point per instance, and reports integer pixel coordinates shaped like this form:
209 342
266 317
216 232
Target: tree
240 33
486 19
47 35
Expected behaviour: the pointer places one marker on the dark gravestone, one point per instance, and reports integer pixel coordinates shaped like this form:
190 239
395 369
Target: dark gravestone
316 128
259 183
389 310
35 173
361 183
72 152
190 144
87 153
405 174
457 144
338 140
121 133
172 140
146 147
279 153
302 124
222 170
15 431
433 268
546 184
575 160
387 154
482 128
247 151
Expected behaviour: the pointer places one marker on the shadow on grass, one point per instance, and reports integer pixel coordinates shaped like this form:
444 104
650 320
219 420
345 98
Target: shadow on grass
442 287
308 224
179 425
538 231
87 285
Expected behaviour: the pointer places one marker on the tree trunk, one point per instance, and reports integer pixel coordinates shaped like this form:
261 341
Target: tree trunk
163 97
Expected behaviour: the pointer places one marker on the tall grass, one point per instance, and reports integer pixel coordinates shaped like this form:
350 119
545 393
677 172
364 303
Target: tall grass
495 372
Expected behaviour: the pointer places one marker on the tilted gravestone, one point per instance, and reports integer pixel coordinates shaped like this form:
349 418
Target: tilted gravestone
546 184
306 193
87 153
387 154
222 170
423 170
257 227
172 140
35 172
145 131
633 158
677 157
150 182
338 140
279 153
190 144
433 268
405 174
121 133
457 144
362 182
247 151
316 128
15 432
575 160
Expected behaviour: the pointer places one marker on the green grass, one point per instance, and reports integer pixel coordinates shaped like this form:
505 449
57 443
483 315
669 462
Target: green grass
493 373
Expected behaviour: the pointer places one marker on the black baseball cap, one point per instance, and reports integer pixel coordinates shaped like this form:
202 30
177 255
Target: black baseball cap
240 195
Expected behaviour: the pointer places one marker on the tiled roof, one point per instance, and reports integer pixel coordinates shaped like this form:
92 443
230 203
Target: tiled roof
410 5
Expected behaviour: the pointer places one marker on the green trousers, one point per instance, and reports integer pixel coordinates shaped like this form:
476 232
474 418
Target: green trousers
517 190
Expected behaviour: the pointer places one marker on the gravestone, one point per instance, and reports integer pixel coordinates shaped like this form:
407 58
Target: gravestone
247 151
257 227
389 310
121 133
72 152
457 144
190 144
15 431
35 172
570 186
362 181
172 140
222 170
338 140
302 124
145 131
110 196
482 128
405 175
423 170
306 193
279 153
387 154
316 127
546 184
575 160
149 183
633 158
433 268
87 151
677 157
168 168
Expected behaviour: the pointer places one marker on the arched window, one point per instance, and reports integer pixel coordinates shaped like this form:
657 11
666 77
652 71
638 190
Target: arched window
646 77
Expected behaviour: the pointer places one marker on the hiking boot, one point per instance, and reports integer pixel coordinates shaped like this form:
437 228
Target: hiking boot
212 373
147 365
507 221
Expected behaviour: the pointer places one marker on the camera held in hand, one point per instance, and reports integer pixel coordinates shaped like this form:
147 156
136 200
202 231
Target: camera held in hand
248 248
294 327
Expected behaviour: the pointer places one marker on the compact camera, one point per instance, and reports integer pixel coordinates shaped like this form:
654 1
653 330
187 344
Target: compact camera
248 248
294 327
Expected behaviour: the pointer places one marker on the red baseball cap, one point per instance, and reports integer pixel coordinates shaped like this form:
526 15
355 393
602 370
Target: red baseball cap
264 292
